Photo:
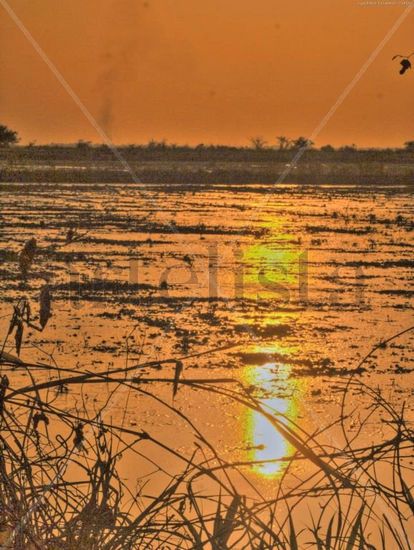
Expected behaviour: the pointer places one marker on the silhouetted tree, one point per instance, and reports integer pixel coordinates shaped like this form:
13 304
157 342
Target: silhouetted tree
258 143
409 146
283 142
8 136
348 148
82 144
302 143
158 145
327 148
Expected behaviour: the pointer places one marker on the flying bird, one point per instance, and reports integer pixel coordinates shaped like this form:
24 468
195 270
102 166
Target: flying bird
405 62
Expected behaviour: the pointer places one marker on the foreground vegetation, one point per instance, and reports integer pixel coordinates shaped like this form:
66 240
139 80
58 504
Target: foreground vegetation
61 485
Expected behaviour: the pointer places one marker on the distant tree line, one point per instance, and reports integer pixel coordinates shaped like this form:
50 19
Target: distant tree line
256 143
283 144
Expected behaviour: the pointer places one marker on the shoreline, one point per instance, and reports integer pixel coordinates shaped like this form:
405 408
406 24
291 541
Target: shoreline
339 174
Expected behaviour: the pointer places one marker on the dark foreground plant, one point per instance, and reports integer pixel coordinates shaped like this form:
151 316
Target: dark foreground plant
61 486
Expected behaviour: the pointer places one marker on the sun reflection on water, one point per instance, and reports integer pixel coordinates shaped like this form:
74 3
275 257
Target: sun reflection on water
272 271
266 444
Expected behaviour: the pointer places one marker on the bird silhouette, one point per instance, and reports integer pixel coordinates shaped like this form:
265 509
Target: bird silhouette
405 62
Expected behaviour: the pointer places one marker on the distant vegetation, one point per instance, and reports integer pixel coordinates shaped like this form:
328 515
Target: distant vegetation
163 162
258 149
7 136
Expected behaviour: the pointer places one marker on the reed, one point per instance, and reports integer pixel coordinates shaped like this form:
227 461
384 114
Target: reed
60 486
61 482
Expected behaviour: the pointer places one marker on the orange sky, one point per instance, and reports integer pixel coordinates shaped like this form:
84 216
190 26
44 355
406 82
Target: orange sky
207 71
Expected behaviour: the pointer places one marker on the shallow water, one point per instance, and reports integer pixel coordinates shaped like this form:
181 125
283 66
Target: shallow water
301 281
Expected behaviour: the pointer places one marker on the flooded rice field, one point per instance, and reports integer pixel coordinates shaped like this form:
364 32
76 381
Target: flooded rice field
284 290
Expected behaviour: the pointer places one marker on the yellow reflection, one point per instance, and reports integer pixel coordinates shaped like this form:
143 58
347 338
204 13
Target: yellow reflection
271 270
267 446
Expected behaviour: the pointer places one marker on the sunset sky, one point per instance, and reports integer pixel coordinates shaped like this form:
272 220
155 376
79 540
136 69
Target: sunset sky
211 71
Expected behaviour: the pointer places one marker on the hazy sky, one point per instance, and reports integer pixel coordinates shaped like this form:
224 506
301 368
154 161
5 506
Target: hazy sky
206 71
